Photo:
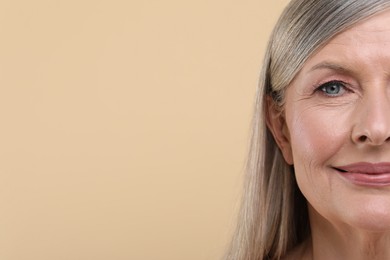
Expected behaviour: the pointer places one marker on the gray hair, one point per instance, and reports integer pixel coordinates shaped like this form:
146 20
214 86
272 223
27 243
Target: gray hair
273 217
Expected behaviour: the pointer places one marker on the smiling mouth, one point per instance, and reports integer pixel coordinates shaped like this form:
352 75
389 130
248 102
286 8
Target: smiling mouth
365 167
340 170
366 174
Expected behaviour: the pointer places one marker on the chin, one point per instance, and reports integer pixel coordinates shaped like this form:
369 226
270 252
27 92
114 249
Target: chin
373 217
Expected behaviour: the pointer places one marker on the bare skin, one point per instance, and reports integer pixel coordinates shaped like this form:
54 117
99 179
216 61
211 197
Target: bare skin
337 114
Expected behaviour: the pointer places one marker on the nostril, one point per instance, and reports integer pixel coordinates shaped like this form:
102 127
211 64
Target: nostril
362 138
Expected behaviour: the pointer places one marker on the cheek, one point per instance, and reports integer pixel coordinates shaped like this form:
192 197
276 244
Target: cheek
317 134
316 137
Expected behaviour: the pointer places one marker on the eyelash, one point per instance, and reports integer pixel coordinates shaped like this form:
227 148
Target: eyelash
321 88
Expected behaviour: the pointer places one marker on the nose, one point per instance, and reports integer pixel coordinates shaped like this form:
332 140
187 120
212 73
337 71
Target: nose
373 121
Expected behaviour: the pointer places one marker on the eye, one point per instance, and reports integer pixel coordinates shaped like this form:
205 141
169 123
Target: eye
332 88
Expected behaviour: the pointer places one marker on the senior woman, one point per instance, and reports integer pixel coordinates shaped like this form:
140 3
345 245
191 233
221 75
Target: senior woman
318 173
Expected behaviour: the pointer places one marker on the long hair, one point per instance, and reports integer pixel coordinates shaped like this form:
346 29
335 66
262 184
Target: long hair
273 217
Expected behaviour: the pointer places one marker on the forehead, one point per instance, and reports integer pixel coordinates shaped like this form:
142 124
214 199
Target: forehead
367 42
372 30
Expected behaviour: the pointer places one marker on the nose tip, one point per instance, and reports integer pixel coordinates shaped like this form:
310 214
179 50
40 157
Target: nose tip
373 138
373 125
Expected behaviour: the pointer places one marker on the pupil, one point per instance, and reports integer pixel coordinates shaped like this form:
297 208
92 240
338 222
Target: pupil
333 89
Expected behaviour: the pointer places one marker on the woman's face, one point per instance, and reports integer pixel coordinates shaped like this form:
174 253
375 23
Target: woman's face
336 128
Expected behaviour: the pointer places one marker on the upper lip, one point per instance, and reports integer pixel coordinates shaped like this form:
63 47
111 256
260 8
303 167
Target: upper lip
366 168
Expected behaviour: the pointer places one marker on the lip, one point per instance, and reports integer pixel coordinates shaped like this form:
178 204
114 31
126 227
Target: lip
366 174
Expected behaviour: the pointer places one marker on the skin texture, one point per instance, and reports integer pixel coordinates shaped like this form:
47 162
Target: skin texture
348 121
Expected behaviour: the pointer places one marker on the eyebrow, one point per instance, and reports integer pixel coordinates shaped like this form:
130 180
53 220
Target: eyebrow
331 66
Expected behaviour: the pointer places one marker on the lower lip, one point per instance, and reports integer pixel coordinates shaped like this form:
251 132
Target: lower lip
363 179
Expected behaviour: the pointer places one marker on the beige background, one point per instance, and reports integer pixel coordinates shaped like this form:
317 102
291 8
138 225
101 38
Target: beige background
124 125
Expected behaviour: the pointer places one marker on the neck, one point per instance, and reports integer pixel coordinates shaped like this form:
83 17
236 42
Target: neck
341 241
